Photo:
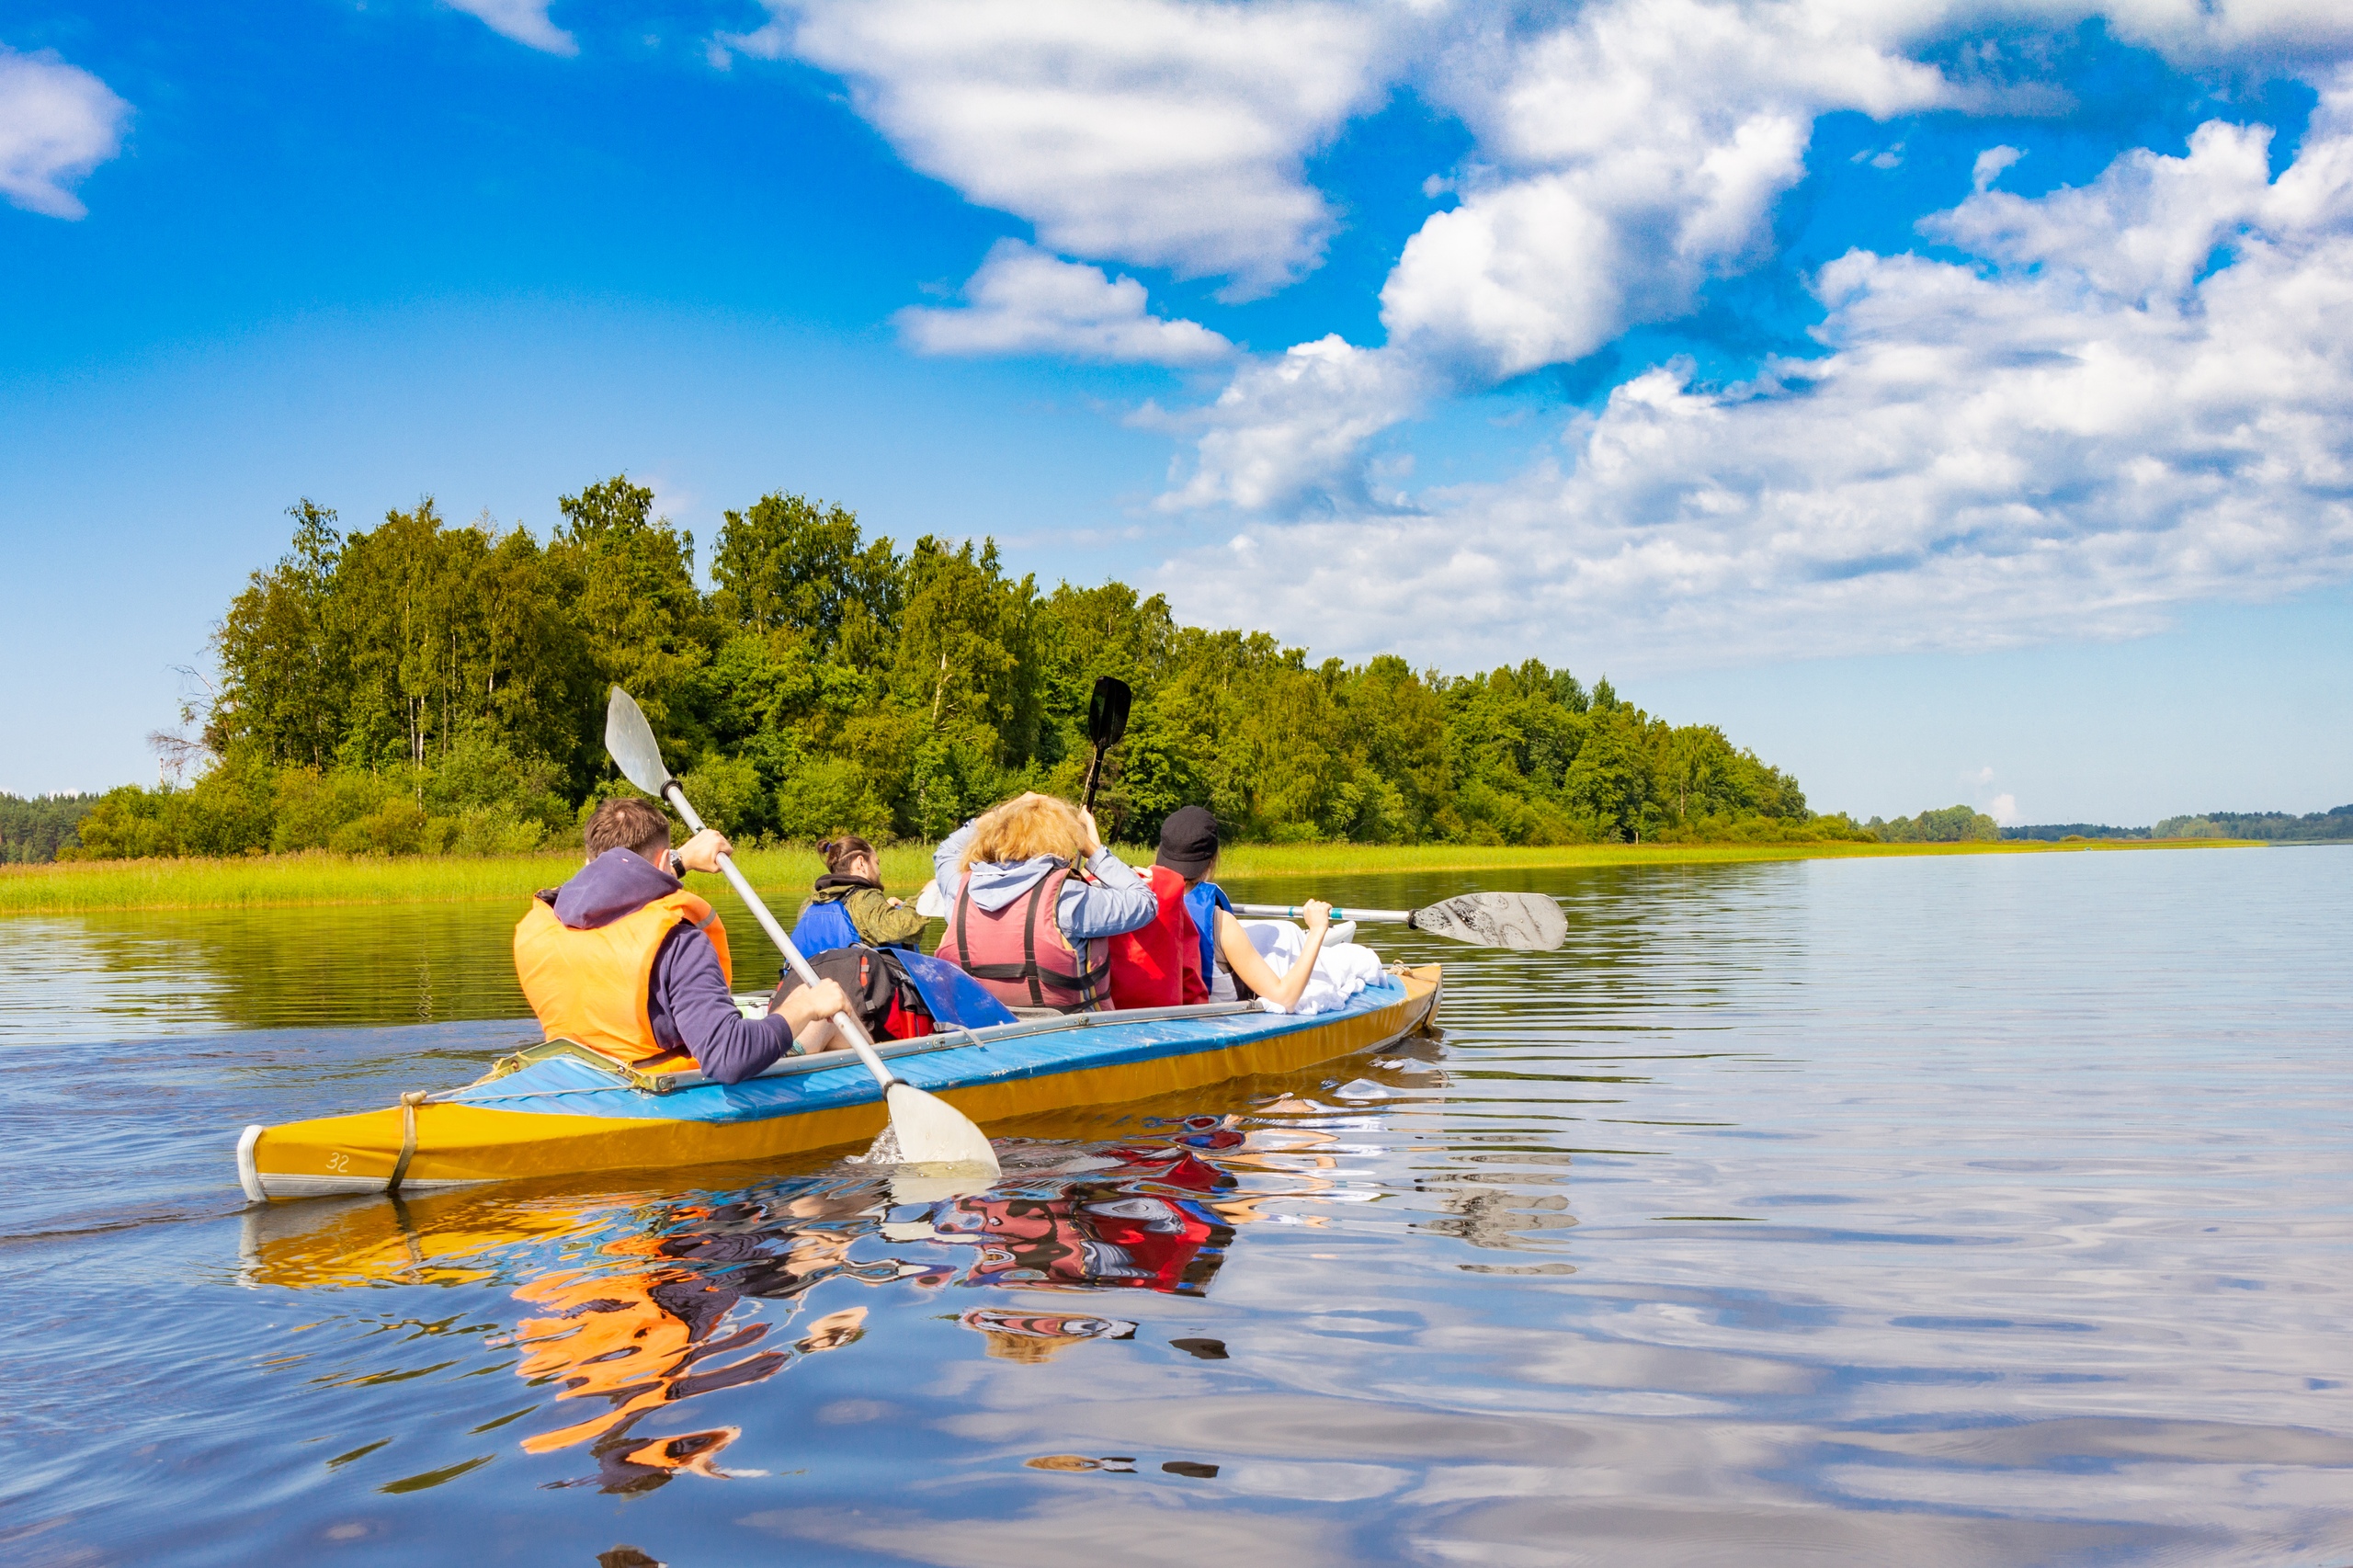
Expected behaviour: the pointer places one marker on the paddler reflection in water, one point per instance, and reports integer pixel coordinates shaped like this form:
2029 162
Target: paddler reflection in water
623 1328
1132 1231
623 960
641 1337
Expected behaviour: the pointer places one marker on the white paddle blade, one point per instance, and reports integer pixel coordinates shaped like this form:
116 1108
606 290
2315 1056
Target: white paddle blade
933 1184
631 741
933 1132
1527 921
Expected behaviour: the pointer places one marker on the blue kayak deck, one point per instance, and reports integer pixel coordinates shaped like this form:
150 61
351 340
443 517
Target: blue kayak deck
569 1086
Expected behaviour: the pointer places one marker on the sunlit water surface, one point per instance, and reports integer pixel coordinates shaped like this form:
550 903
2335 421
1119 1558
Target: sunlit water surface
1984 1211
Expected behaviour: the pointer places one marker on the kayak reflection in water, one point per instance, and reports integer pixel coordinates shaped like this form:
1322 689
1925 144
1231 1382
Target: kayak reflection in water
639 1340
1150 1229
632 1306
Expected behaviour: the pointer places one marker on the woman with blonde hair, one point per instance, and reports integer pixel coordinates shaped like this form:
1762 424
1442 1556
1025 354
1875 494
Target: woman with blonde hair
1033 899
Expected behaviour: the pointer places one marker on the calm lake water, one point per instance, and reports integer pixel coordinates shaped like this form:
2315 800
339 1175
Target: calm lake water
1974 1210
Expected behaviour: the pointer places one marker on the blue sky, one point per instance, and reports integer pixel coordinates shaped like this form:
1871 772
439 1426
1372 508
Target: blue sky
1915 390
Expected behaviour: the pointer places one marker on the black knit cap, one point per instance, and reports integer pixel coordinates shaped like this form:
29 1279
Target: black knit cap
1187 841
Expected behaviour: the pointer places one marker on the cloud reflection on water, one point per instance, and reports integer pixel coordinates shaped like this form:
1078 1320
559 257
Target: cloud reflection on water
1933 1213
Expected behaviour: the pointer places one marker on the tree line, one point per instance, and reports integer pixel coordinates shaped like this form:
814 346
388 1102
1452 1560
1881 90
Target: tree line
2279 827
36 828
422 686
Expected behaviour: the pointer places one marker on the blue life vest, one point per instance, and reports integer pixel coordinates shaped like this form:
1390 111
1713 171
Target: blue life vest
823 925
1202 904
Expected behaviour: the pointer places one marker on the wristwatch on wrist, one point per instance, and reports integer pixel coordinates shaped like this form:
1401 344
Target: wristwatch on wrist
672 863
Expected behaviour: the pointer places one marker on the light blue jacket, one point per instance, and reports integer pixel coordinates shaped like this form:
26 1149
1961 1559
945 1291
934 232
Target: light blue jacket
1118 901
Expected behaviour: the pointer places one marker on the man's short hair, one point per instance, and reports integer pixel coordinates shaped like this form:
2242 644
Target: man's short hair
626 823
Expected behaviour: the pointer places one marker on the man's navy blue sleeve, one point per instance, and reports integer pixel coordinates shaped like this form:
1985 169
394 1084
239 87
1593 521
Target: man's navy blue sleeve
691 1007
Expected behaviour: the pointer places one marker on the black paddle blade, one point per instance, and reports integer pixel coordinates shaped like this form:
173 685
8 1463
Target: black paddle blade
1107 711
1528 921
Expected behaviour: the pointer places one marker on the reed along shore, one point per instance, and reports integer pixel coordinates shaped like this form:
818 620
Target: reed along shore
786 873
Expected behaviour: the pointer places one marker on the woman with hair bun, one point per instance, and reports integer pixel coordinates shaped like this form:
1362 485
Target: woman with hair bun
849 905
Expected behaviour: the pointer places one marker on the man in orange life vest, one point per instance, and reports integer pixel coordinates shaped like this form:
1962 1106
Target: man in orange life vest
625 961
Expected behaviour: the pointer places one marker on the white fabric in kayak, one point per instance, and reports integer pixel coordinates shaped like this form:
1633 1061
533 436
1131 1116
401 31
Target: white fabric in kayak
1342 969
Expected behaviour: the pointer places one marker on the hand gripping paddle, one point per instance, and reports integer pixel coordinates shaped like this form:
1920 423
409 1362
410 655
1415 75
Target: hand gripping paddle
929 1130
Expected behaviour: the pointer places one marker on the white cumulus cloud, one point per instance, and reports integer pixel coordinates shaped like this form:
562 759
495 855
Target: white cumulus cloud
2198 31
1626 156
525 21
1293 426
57 123
1159 132
2140 395
1023 301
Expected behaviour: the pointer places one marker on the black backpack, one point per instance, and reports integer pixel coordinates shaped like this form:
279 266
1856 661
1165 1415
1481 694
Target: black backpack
885 1000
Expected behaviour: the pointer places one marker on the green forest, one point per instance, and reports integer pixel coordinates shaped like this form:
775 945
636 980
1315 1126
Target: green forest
2280 827
422 686
36 829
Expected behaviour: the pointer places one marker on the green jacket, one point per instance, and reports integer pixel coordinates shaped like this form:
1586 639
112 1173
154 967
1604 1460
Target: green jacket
868 908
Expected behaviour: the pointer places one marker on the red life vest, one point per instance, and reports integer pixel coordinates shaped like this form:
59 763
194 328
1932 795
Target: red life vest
1019 953
1159 965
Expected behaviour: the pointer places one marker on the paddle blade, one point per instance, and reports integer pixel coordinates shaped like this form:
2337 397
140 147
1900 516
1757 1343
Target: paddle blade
1107 710
631 741
931 1131
1527 921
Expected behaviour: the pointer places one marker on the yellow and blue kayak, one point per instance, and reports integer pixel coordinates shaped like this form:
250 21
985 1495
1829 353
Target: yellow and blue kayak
561 1109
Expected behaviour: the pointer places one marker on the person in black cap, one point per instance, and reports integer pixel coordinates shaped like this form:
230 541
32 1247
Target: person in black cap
1188 848
1164 964
1231 965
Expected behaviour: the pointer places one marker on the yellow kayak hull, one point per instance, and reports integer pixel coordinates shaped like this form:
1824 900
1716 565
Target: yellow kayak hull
448 1144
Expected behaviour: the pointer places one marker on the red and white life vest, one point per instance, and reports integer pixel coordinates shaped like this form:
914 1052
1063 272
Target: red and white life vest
1019 954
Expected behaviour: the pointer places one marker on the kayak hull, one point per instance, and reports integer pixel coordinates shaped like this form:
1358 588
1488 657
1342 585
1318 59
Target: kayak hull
560 1118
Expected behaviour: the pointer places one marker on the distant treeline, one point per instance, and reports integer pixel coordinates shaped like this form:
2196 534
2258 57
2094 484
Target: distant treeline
2052 832
426 687
36 828
1953 825
2278 827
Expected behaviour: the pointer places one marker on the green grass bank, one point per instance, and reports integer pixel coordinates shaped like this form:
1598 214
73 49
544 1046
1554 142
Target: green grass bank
320 878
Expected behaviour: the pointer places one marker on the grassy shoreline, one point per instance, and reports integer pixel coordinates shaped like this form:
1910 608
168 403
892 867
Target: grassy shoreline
319 878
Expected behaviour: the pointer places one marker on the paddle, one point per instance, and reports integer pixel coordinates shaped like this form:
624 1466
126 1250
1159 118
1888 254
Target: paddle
1107 720
929 1130
1527 921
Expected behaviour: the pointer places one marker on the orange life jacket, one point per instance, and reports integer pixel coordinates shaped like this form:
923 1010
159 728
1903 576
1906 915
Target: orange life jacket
595 986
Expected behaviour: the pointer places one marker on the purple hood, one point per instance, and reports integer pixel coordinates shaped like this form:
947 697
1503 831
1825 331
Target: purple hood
615 883
687 999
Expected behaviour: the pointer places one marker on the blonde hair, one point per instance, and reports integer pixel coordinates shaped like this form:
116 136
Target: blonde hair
1024 826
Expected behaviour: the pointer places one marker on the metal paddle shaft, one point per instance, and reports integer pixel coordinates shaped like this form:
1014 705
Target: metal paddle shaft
1528 922
1299 911
851 1029
929 1130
